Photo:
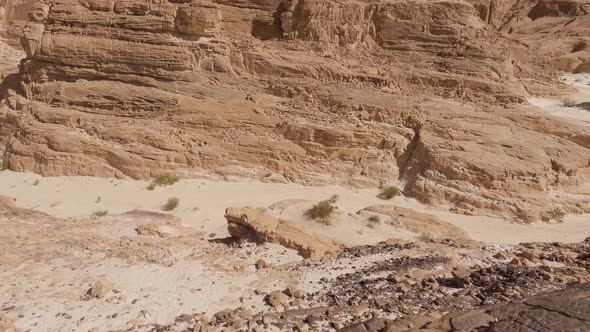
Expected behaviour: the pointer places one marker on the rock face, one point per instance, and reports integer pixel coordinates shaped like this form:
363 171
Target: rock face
13 16
255 225
566 310
351 92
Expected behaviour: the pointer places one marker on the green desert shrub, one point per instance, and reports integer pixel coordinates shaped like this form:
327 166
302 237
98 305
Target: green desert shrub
425 237
557 214
163 180
321 212
389 192
374 219
99 213
171 204
334 199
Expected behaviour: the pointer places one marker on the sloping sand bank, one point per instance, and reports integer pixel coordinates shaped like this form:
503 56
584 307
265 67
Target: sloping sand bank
203 203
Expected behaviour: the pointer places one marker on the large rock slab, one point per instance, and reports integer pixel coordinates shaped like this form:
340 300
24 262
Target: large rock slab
256 225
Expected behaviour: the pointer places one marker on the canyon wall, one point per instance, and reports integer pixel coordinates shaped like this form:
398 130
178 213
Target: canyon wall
360 93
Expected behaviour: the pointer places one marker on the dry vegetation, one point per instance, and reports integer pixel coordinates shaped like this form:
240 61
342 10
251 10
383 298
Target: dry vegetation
171 204
163 180
557 214
388 193
425 237
99 213
321 212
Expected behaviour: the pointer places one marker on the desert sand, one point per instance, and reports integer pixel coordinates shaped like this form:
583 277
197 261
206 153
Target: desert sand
578 114
203 202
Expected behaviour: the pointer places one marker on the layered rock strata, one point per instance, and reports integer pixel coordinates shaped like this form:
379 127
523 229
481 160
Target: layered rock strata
353 92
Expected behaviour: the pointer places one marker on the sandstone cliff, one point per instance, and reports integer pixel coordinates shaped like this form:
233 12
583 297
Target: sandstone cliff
327 91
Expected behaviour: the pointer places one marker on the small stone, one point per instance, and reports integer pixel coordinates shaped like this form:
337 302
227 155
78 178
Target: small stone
145 314
302 328
500 255
461 277
529 255
136 322
291 291
358 311
261 264
277 299
102 288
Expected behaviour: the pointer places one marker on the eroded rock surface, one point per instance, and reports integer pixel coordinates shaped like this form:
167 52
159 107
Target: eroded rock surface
566 310
352 92
253 224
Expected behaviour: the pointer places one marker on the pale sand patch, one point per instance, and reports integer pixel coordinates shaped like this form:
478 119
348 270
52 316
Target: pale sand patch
53 290
580 114
203 203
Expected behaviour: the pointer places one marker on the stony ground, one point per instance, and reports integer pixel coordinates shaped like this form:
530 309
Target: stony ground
145 271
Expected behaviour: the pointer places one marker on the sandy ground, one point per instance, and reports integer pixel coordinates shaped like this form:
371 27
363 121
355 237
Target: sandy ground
203 203
49 297
580 114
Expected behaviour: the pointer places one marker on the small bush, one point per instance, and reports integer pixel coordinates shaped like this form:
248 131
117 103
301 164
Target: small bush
557 214
425 237
36 183
99 213
389 192
321 212
212 235
163 180
568 102
334 199
374 219
171 204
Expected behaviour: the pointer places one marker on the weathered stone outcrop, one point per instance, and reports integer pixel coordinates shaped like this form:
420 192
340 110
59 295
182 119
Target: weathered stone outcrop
351 92
419 223
566 310
255 225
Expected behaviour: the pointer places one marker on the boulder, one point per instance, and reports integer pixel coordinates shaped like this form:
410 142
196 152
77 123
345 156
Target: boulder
256 225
